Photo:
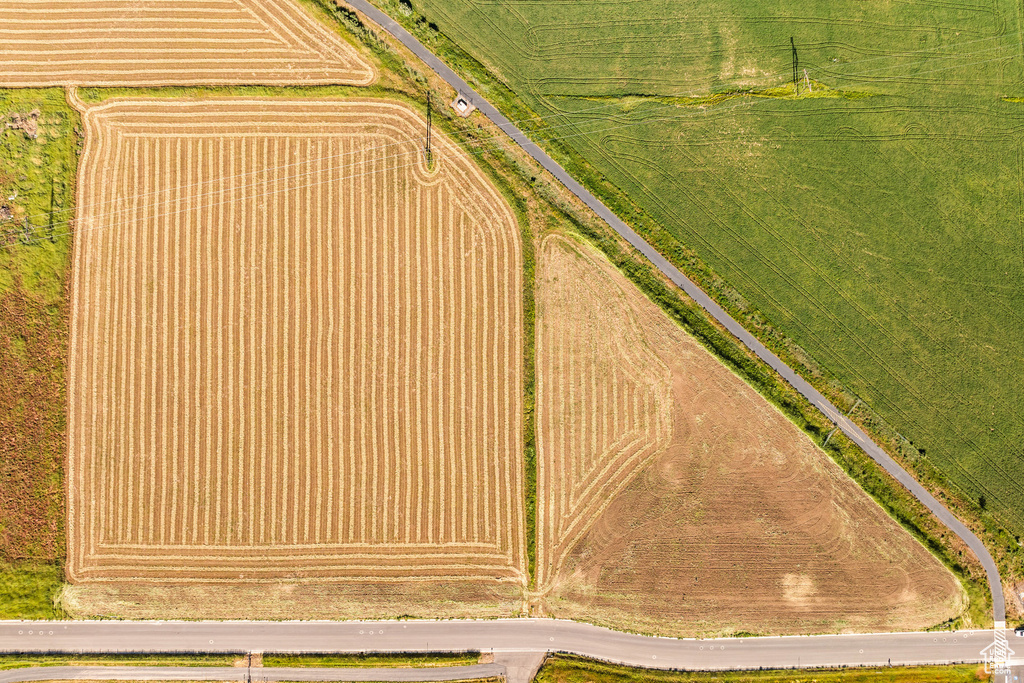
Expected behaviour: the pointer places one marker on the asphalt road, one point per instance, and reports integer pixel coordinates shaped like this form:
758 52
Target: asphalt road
503 635
227 673
855 433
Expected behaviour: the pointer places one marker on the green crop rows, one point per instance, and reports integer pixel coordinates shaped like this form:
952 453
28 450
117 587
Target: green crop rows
875 219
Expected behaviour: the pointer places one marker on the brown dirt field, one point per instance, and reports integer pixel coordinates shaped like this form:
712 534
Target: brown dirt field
33 348
295 352
153 42
722 517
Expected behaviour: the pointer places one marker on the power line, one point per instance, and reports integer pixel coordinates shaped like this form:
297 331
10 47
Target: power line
482 147
480 144
796 66
768 77
428 127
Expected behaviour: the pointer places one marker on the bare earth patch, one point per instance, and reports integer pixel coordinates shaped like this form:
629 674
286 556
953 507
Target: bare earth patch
296 355
714 513
167 42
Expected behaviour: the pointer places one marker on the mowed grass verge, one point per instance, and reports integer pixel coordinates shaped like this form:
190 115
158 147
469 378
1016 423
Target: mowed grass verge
23 660
38 156
567 669
871 239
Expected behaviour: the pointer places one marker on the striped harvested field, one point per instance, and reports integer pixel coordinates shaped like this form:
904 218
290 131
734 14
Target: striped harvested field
296 351
675 499
612 412
171 42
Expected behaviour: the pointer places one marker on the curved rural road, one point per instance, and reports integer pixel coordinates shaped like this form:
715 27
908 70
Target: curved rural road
855 433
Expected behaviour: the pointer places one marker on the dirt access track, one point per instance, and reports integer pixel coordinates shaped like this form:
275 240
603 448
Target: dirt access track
674 499
296 351
172 42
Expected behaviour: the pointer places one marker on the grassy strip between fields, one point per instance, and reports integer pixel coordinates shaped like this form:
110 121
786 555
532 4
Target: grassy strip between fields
529 396
417 660
896 500
566 669
39 145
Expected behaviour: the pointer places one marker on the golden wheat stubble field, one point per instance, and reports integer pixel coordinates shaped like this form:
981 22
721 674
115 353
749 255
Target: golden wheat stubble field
171 42
675 499
296 352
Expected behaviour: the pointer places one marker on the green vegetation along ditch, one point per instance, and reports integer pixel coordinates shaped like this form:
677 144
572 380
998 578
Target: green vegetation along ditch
565 669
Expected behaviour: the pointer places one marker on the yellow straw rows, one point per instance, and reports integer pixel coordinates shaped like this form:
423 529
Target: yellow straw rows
604 401
171 42
295 351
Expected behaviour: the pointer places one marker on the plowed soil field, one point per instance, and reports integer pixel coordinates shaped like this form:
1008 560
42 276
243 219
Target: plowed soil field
171 42
675 499
296 352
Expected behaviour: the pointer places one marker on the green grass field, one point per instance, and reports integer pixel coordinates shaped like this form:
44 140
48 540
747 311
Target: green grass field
564 669
880 228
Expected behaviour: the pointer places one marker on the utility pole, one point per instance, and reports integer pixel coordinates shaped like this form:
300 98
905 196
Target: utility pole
428 126
50 227
796 66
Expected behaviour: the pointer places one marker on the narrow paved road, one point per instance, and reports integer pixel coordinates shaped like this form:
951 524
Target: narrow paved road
227 673
500 636
855 433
